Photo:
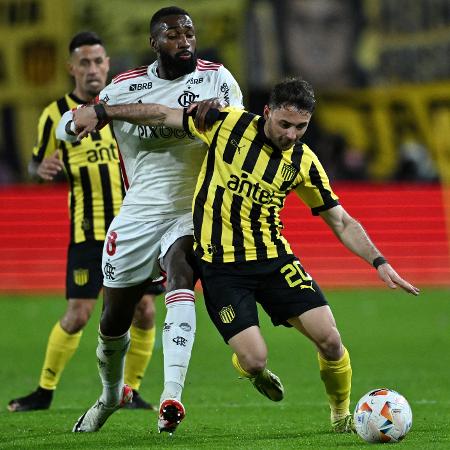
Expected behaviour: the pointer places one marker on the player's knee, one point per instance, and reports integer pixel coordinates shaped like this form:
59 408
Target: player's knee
144 315
253 363
331 345
76 316
74 323
179 276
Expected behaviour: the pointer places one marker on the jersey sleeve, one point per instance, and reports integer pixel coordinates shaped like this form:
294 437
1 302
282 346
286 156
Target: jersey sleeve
46 140
228 89
314 186
112 94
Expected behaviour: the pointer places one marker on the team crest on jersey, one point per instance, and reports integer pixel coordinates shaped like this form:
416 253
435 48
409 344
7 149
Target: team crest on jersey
186 98
227 314
288 172
81 276
108 271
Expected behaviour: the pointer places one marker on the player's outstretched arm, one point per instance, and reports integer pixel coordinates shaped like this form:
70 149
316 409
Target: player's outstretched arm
351 233
88 119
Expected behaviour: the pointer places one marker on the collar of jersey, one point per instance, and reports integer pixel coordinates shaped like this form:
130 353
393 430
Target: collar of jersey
77 99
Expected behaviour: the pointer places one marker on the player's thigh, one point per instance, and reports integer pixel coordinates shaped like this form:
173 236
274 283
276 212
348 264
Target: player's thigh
229 298
317 324
130 253
288 291
177 254
249 344
84 278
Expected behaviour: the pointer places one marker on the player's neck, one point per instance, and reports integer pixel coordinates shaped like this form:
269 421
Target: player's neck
84 97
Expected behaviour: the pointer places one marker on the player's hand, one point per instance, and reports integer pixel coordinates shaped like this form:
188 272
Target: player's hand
85 121
202 108
393 279
50 167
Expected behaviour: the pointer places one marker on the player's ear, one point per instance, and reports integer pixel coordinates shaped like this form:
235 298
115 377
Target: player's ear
266 112
107 62
69 67
153 44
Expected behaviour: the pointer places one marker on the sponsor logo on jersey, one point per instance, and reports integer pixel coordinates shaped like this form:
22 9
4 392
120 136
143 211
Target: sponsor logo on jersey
140 86
244 187
155 132
194 81
186 98
225 89
102 154
81 276
227 314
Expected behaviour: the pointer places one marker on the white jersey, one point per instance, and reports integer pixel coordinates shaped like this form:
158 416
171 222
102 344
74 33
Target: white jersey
160 165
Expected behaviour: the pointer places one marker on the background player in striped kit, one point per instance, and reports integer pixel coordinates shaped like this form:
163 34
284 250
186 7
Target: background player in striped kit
154 226
252 164
95 195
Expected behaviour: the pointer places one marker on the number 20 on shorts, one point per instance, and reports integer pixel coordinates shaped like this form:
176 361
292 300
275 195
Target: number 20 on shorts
295 275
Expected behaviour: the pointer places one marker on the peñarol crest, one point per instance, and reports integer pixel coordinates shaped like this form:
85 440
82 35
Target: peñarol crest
81 276
227 314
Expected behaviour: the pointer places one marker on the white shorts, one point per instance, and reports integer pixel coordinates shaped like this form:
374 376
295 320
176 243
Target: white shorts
132 249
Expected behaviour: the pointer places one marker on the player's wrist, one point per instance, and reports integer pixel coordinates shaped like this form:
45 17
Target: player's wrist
100 112
378 261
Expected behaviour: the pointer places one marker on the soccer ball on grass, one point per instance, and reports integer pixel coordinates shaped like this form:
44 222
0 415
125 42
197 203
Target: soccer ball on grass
382 415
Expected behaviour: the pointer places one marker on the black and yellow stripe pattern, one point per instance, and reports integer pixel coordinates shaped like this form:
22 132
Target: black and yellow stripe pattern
243 185
92 169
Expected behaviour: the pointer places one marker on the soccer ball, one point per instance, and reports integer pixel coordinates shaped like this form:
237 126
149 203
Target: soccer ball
382 415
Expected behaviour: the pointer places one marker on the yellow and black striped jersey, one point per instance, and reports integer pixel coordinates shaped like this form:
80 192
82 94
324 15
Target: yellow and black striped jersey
242 186
92 169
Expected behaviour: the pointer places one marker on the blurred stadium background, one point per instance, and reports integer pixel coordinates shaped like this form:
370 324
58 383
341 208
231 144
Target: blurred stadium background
381 71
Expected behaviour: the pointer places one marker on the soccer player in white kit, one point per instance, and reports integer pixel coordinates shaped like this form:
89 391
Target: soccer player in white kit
154 227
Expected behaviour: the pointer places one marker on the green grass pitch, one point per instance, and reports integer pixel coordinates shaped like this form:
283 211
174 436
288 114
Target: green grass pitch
395 341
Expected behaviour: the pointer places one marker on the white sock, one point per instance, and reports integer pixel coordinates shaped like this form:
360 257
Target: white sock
178 339
111 354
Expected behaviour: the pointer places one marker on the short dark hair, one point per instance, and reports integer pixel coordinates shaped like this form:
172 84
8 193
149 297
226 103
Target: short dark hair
163 12
84 38
293 92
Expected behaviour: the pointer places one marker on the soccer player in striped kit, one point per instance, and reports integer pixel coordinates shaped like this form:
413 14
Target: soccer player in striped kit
153 229
95 195
253 163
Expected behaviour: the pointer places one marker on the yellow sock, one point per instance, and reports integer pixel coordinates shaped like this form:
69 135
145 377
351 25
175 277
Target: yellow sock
60 348
138 356
337 377
238 367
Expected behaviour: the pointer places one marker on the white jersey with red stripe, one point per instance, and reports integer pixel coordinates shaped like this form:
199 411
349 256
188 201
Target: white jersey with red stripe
160 164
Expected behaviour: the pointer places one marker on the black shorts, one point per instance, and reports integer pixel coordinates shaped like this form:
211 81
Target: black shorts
84 277
279 285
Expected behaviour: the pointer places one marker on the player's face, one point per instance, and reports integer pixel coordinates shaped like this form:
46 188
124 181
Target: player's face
285 126
89 65
175 44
